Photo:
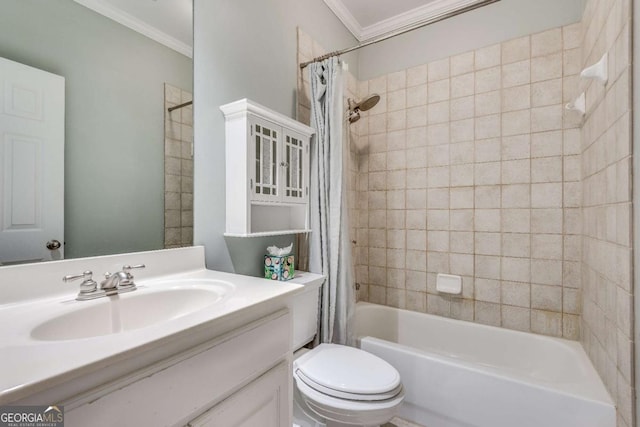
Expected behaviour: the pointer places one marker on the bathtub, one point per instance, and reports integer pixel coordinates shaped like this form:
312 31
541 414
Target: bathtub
462 374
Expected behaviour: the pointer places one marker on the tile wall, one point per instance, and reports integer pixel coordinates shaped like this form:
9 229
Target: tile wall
178 167
607 313
470 165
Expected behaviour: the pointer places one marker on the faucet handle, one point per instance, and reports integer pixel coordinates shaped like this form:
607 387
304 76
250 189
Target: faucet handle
87 286
126 269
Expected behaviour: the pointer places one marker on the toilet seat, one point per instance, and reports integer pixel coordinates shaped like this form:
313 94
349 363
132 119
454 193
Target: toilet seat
348 385
348 372
347 395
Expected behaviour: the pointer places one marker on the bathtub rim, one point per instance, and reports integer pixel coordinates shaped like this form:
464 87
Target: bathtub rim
597 390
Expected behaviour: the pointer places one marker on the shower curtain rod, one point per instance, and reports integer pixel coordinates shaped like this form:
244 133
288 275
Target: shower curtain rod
170 109
437 18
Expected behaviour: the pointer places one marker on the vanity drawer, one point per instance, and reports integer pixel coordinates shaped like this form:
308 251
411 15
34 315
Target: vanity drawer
174 391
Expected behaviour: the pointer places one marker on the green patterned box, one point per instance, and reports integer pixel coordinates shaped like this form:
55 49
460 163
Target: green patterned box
279 267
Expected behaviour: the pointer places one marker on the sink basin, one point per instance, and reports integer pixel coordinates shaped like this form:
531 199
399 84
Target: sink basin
147 306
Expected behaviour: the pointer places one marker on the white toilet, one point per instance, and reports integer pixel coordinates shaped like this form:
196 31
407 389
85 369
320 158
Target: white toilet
336 385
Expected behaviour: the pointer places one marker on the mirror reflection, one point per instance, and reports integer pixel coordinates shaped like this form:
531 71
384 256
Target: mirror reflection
87 141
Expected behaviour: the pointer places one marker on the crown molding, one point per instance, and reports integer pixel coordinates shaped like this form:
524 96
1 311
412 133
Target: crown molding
406 19
344 15
130 21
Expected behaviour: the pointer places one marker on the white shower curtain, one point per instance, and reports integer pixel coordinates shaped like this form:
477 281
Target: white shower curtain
329 243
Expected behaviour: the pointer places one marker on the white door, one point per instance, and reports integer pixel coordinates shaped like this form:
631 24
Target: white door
31 164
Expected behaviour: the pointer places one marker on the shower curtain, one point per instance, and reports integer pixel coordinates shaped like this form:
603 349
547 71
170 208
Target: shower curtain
329 243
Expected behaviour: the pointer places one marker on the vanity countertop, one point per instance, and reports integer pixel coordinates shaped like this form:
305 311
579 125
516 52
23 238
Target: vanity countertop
32 365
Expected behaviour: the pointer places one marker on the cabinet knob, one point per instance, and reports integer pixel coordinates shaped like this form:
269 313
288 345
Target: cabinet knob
284 164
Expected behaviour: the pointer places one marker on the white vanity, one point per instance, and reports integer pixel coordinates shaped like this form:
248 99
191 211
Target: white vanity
189 347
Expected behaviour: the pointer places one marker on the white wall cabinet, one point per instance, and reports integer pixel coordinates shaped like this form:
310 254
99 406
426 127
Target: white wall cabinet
267 171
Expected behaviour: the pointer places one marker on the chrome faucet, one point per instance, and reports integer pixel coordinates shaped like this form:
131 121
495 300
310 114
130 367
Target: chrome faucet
119 282
113 284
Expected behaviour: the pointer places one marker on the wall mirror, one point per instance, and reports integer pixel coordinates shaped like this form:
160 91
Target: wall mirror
121 150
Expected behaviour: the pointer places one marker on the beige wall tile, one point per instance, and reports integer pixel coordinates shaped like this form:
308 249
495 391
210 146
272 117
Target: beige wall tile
487 267
461 242
463 63
516 196
546 322
516 74
515 269
547 195
487 197
489 56
546 297
516 171
417 95
517 244
546 42
397 100
516 294
546 67
416 76
397 80
488 79
516 147
516 98
487 313
439 70
516 50
517 318
516 220
487 150
462 130
462 85
516 122
488 244
462 108
547 221
548 92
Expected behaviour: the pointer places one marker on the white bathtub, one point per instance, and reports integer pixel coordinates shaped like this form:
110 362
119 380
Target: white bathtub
462 374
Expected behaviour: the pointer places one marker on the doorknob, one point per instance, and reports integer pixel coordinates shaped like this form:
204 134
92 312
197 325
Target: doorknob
54 244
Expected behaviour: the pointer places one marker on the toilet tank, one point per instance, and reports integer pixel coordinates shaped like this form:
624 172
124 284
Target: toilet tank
304 308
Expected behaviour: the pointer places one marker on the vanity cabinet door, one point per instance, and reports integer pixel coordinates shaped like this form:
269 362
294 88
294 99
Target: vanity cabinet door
295 166
262 403
265 151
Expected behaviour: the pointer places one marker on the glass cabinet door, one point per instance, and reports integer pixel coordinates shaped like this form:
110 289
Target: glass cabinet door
265 153
294 164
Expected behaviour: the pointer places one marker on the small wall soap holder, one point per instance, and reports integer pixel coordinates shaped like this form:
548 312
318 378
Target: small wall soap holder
449 284
579 105
598 71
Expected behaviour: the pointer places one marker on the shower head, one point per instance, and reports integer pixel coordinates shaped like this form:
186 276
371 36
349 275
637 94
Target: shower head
364 105
354 116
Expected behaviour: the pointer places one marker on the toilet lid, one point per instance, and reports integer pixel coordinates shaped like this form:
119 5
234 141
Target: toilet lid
348 372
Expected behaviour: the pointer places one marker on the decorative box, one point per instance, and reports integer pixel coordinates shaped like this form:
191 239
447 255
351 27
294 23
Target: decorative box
279 267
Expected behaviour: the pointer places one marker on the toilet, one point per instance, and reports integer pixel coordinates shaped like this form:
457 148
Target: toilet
336 385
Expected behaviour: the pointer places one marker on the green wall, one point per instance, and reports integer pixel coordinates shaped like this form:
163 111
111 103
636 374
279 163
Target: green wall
114 152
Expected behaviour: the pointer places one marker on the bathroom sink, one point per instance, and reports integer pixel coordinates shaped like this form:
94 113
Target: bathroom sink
147 306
